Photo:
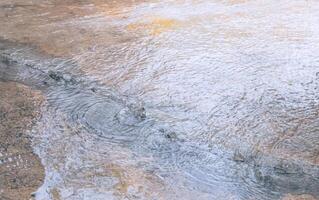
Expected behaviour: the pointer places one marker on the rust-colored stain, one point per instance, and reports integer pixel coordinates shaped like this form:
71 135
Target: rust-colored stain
154 26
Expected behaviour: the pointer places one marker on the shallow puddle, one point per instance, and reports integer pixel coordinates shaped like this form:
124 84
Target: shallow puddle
170 99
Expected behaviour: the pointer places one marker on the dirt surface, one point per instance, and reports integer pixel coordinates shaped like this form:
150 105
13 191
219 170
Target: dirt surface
55 19
21 172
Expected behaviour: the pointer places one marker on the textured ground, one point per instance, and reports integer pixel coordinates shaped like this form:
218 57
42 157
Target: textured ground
21 172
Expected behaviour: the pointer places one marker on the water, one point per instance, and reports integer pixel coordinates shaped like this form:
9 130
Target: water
170 99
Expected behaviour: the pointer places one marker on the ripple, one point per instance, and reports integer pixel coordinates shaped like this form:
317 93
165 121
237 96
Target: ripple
215 96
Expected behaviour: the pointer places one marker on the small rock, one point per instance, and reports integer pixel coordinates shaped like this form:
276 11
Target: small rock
127 117
93 89
30 65
238 157
55 76
171 136
67 77
161 130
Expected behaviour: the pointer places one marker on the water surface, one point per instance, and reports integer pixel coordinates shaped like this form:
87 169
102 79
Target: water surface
170 99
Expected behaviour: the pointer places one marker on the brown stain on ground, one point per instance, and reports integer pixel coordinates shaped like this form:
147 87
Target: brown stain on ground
62 28
55 194
21 172
139 181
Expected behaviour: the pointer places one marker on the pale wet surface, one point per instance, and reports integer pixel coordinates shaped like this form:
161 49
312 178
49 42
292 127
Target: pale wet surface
170 99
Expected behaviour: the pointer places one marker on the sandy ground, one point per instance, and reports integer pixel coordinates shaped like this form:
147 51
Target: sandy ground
21 172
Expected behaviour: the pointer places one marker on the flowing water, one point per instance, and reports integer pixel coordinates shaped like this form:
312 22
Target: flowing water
170 99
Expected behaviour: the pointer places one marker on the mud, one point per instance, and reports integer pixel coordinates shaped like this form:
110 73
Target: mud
21 171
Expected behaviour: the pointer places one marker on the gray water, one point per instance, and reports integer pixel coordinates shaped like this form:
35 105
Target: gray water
170 99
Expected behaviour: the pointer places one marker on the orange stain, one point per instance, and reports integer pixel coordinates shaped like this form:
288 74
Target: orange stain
155 26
